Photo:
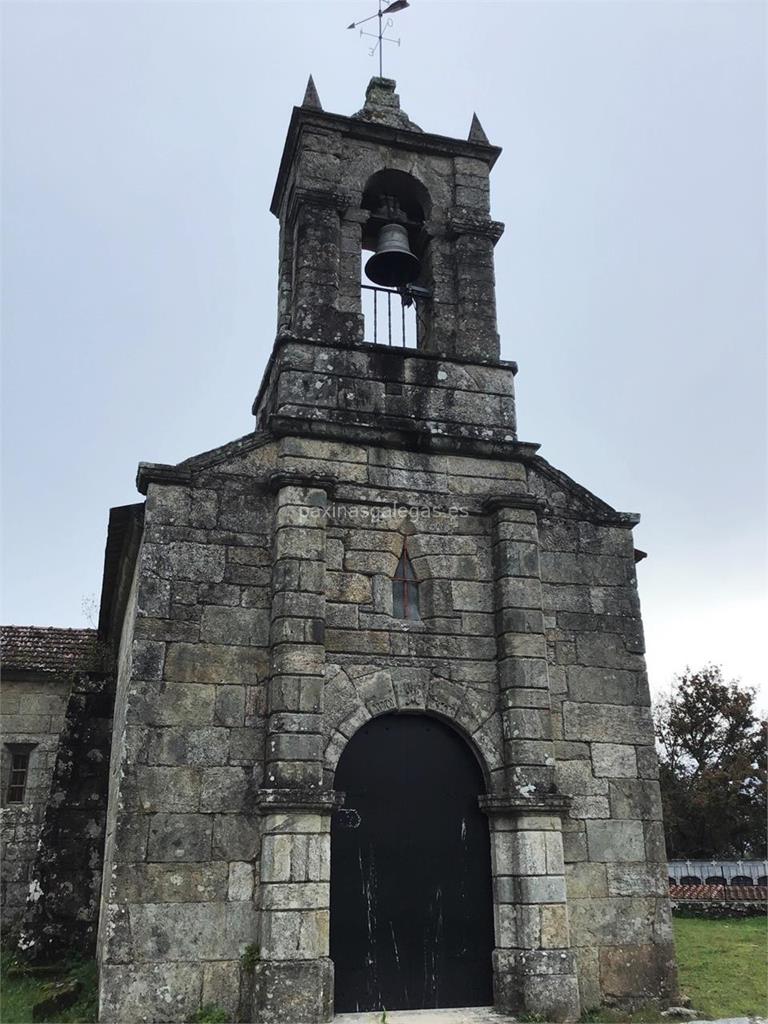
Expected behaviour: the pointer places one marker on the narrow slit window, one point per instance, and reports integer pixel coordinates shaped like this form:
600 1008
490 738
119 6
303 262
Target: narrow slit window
17 779
405 588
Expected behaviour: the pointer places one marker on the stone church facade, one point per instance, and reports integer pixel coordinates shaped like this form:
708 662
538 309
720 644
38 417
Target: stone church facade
255 604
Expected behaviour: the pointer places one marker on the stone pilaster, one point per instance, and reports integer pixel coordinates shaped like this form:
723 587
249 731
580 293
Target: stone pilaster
476 333
437 332
297 639
317 250
293 978
321 250
349 298
534 968
521 651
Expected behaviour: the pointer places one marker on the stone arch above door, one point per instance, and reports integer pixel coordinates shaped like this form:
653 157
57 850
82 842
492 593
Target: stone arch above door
354 694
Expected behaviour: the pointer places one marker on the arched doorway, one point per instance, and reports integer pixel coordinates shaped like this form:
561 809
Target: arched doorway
411 903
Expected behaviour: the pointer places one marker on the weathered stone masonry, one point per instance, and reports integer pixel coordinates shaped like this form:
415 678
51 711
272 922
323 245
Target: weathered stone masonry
42 668
259 633
331 620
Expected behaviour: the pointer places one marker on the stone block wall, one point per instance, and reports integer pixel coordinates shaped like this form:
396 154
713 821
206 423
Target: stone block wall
183 845
615 857
32 711
262 637
380 389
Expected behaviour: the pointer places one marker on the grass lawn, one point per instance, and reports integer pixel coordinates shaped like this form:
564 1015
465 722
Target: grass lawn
722 970
723 965
18 995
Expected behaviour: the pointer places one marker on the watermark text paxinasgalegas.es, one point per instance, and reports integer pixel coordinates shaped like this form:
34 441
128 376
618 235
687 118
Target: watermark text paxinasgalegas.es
395 512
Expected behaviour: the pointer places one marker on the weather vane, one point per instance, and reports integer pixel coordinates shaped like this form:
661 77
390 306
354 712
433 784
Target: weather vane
397 5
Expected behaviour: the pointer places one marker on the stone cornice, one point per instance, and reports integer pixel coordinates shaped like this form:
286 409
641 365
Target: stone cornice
124 533
523 501
183 472
624 520
597 516
269 801
161 473
289 478
304 118
582 504
513 804
486 228
405 435
317 197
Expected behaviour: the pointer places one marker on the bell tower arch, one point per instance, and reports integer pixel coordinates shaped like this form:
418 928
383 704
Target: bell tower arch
395 230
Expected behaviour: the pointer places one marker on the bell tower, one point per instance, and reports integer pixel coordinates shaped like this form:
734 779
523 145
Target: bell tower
413 208
350 183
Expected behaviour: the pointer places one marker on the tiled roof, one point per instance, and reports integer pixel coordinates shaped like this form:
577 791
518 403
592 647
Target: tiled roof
47 649
718 892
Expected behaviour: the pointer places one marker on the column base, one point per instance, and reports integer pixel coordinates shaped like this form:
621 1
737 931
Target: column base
537 982
293 991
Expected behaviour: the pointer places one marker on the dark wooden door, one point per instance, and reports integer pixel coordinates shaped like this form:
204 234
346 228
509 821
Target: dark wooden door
411 908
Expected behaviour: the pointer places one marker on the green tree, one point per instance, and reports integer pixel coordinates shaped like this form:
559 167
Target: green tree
712 768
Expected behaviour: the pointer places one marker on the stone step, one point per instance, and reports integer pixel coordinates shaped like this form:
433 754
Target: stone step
467 1015
473 1015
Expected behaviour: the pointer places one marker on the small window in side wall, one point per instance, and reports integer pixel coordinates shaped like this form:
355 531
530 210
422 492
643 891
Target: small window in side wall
405 588
17 776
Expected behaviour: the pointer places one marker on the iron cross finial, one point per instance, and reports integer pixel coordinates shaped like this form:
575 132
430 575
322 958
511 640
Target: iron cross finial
393 8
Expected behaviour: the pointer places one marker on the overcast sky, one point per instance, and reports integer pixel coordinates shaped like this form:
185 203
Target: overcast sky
140 147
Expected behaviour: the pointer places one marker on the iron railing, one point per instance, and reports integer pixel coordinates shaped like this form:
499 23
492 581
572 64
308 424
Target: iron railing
380 308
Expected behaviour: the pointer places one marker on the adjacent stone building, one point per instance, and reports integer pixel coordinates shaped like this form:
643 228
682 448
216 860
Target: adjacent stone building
39 667
381 585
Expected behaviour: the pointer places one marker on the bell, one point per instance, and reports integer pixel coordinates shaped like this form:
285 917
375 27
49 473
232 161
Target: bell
393 264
